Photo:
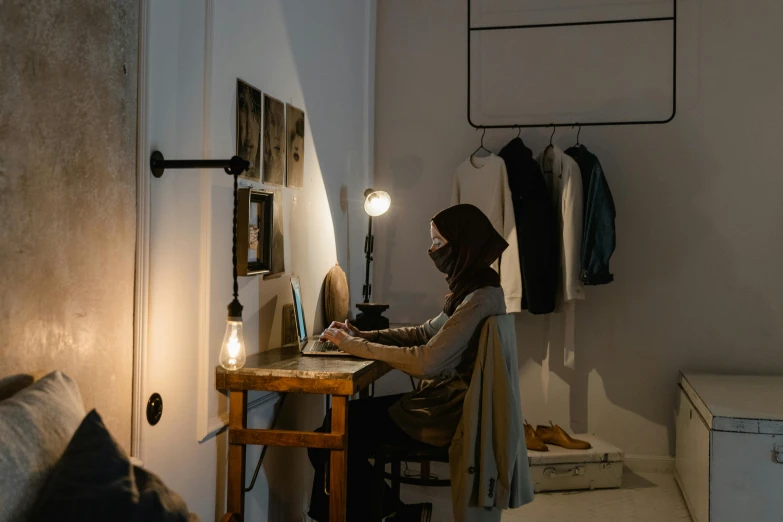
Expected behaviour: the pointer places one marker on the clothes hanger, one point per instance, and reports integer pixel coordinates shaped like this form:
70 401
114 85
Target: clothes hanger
550 146
480 147
578 132
519 131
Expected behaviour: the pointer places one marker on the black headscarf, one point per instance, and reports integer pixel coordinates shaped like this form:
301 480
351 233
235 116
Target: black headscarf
472 245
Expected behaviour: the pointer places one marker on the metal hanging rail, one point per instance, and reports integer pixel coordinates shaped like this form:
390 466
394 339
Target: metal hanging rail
672 19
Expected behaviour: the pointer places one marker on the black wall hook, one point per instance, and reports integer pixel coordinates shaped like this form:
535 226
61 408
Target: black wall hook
233 166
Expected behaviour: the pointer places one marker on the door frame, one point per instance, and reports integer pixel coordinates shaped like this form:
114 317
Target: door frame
141 287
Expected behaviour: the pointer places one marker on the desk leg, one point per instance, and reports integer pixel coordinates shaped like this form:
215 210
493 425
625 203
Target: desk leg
237 419
339 462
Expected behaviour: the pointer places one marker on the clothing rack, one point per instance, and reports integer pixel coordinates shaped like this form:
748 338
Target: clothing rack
672 18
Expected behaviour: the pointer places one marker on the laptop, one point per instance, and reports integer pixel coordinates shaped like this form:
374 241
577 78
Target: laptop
312 345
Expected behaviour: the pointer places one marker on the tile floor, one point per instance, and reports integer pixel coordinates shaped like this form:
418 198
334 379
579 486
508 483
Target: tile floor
643 497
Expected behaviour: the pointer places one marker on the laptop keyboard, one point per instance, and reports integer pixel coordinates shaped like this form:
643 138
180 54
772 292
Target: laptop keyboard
320 346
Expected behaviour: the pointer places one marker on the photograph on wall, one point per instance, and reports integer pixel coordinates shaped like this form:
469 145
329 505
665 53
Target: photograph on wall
249 128
278 235
274 141
255 215
295 122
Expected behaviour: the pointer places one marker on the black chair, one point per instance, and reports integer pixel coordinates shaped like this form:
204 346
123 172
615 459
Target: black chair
396 455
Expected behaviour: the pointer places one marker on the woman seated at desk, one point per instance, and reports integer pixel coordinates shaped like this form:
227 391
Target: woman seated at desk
441 353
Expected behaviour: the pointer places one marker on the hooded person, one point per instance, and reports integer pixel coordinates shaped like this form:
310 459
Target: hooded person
441 353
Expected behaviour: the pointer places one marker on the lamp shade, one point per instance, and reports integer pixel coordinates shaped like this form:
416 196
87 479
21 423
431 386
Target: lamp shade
376 202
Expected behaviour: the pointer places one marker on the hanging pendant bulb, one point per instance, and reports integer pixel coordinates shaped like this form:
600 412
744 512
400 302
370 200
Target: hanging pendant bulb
232 352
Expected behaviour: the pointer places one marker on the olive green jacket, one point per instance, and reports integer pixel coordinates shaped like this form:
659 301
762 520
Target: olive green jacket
488 456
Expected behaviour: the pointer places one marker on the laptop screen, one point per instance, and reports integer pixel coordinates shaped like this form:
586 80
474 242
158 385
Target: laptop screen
298 309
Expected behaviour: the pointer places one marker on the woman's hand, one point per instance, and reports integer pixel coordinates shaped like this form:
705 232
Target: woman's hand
346 327
334 336
338 332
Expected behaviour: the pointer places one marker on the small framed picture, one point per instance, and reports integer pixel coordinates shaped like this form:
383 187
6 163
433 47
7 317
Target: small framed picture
295 121
278 237
274 141
255 222
249 128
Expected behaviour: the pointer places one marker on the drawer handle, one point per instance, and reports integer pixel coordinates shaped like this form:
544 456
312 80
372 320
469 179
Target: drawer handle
573 472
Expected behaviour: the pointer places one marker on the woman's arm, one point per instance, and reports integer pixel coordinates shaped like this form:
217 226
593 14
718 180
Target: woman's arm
441 352
408 336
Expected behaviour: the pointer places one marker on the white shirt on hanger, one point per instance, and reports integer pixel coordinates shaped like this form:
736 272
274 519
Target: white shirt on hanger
564 179
484 184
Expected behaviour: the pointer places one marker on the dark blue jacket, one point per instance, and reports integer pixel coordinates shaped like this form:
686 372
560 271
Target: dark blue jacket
537 228
598 235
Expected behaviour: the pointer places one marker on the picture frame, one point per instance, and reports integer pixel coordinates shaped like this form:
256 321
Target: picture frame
255 226
278 237
248 142
274 143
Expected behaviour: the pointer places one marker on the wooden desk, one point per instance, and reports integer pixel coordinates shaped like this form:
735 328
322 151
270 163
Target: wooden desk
284 370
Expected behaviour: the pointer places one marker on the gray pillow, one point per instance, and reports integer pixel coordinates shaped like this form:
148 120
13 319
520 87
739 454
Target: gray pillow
36 425
14 384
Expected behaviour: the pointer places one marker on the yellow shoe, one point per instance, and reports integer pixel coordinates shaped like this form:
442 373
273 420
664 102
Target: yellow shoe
532 441
556 435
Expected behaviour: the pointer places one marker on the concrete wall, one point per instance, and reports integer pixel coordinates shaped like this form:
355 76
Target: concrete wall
698 282
317 56
68 195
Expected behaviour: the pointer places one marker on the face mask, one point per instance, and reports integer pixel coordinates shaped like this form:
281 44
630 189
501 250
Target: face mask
443 259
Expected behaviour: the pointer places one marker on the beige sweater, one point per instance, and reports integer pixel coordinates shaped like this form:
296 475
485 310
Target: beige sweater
442 353
484 184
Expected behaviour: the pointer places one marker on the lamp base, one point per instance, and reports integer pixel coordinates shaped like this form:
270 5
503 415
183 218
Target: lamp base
371 317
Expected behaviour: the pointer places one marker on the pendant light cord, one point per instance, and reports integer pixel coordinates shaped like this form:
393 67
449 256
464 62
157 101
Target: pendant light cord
234 247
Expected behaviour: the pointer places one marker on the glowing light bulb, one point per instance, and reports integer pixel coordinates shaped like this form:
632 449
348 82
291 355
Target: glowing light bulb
377 203
232 353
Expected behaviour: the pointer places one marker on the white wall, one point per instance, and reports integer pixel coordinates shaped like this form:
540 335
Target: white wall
320 58
698 282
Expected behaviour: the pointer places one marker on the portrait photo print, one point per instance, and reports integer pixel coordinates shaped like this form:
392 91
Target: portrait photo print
295 122
249 128
274 141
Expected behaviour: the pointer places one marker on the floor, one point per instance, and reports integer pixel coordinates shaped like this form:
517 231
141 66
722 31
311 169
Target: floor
643 497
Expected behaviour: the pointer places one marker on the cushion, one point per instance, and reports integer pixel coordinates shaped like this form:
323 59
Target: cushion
95 480
36 424
14 383
337 300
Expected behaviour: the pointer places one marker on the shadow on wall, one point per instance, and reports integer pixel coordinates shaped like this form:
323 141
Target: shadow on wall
407 176
324 64
340 154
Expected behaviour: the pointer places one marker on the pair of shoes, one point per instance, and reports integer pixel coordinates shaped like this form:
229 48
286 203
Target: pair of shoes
532 441
538 439
412 513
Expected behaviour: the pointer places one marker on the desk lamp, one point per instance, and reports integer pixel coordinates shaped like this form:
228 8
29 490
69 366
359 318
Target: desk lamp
376 203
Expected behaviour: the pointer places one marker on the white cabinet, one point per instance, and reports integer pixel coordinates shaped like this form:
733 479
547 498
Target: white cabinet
729 461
